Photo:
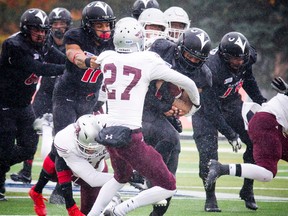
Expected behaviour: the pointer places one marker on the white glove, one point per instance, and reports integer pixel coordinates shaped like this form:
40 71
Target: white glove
279 85
236 144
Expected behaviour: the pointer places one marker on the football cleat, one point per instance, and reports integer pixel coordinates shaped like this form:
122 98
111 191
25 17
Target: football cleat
211 206
213 174
21 176
39 205
2 197
74 211
249 199
109 212
56 196
114 202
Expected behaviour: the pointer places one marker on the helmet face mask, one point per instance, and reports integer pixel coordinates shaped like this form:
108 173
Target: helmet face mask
129 36
155 24
140 5
34 21
60 21
195 44
87 128
178 22
234 49
98 12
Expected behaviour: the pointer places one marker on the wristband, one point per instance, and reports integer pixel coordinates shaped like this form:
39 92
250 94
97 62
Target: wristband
87 62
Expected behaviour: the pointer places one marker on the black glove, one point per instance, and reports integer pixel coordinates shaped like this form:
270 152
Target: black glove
177 124
279 85
236 143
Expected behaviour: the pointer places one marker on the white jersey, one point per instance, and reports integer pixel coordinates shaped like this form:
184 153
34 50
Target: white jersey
278 106
88 169
127 77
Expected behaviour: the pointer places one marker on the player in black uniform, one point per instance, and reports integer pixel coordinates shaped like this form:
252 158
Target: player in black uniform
231 67
74 92
140 5
187 57
54 52
21 63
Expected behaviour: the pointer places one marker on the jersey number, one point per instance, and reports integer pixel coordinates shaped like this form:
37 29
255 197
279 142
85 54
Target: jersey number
127 71
91 75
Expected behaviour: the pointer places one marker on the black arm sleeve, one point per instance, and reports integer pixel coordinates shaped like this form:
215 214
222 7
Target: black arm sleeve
39 68
213 113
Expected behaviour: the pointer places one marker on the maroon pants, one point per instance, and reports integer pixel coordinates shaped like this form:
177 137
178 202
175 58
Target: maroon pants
269 143
137 155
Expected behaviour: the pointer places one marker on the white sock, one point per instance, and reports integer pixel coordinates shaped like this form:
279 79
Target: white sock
232 169
47 139
146 197
107 192
256 172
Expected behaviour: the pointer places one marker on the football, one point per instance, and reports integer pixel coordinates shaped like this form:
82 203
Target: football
175 90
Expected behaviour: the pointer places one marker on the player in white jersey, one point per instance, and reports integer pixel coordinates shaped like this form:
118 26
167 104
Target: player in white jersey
268 130
78 157
127 74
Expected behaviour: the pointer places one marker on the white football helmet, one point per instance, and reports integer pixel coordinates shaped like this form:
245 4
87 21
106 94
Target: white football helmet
87 128
153 17
176 15
128 36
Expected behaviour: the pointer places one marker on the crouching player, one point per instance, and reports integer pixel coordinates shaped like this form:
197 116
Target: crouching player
76 156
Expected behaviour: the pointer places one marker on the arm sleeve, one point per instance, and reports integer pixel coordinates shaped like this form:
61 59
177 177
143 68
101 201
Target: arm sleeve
83 169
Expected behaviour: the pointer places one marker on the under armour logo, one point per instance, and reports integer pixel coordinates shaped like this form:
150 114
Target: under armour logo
109 136
239 42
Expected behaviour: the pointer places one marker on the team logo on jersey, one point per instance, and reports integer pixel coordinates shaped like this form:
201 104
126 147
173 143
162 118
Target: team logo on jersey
36 56
41 17
239 42
201 36
57 12
228 80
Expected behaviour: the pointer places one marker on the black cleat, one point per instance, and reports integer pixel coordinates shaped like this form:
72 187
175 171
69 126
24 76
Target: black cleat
213 174
21 176
211 205
249 199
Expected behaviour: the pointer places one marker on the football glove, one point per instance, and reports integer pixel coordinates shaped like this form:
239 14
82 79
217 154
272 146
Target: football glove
176 123
236 143
279 85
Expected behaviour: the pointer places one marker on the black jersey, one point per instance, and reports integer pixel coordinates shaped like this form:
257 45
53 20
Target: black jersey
20 65
77 82
227 84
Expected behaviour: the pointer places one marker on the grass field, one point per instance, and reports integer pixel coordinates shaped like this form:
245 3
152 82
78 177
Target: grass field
272 197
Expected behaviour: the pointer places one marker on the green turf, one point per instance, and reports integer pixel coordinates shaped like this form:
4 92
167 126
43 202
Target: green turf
187 179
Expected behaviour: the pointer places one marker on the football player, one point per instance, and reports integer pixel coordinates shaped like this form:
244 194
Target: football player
21 65
178 22
54 52
268 130
72 92
80 158
127 74
231 67
187 57
140 5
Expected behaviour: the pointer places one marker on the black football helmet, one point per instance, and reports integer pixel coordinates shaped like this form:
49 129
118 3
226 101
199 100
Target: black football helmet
234 45
33 18
97 11
60 14
140 5
197 43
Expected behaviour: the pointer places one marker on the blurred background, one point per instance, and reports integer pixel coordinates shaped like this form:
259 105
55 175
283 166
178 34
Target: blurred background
263 22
